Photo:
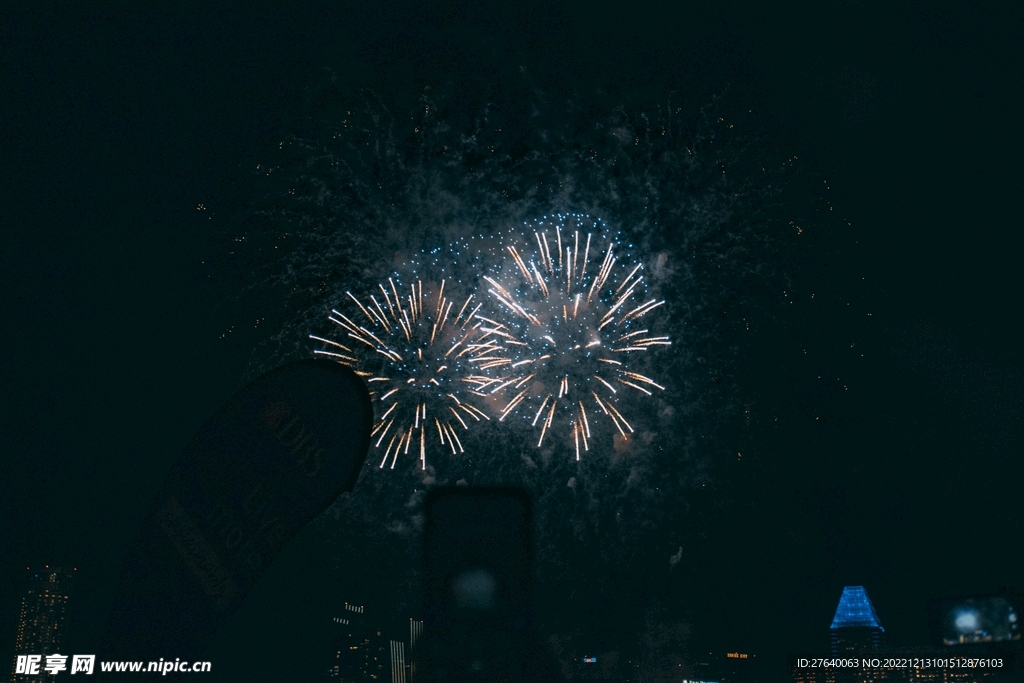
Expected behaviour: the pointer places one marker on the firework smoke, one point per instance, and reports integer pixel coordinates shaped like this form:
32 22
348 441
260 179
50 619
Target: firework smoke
360 194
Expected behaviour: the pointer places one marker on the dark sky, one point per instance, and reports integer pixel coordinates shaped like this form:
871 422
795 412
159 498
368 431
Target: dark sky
115 124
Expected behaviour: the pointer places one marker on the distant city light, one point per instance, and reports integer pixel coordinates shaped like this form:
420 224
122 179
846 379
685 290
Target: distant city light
967 621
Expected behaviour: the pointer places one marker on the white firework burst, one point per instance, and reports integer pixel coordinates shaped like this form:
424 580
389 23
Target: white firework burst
572 313
416 351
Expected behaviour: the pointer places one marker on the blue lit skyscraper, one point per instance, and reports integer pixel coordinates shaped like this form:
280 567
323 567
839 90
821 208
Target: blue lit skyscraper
855 627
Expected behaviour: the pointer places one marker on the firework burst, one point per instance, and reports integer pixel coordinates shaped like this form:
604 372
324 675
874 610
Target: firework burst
574 313
416 352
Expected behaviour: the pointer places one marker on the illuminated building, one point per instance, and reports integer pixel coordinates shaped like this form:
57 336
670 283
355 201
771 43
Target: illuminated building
726 667
588 669
359 651
857 633
372 659
415 633
42 619
808 676
398 662
603 664
855 627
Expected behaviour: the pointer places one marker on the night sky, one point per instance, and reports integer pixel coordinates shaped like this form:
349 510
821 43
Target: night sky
874 365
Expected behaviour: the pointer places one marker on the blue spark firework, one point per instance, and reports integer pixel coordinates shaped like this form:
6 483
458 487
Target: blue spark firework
414 349
573 310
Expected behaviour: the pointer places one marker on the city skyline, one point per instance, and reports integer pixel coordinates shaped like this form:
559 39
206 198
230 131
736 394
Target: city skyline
857 636
364 650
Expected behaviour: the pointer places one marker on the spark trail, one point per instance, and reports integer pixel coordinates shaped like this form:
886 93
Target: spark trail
574 313
417 353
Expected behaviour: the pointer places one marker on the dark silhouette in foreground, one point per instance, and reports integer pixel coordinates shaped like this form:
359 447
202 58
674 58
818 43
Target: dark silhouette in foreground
478 589
268 462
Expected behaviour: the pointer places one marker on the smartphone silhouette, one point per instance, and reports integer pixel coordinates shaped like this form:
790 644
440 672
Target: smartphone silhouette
478 563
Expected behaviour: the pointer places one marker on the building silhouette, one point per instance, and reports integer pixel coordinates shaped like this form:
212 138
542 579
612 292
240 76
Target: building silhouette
399 668
855 628
42 619
360 652
415 634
